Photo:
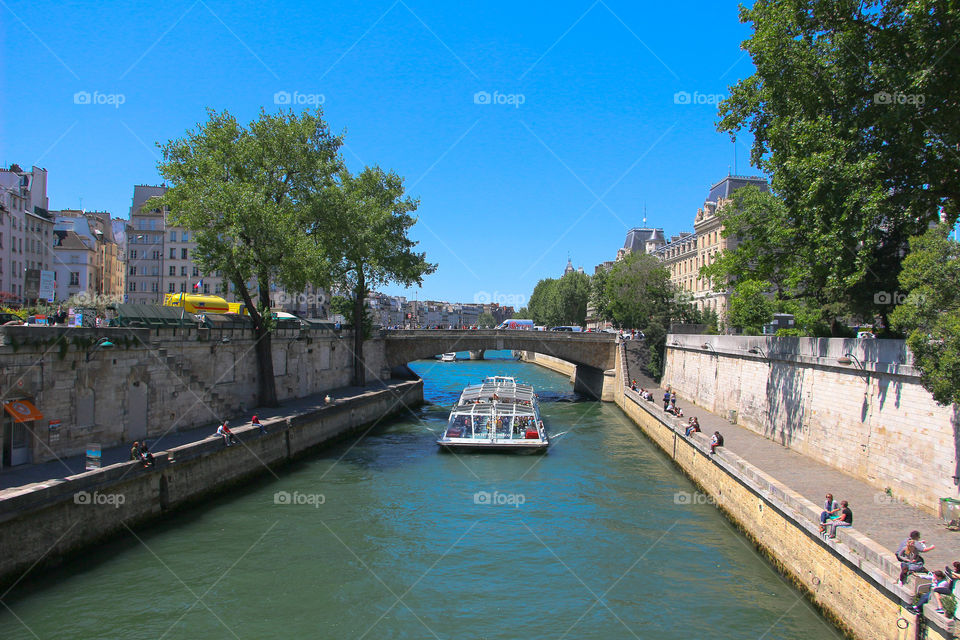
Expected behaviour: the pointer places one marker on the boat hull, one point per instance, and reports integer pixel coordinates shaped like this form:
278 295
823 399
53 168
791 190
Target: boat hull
498 447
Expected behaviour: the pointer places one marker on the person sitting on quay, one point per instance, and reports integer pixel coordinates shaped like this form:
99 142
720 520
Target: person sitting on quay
256 422
224 432
940 586
693 426
952 572
646 395
715 441
145 454
845 519
908 553
830 510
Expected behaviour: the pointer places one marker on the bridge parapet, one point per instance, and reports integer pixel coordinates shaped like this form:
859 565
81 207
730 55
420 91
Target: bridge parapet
597 350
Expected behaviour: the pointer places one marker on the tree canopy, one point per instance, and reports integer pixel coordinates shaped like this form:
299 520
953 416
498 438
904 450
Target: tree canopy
246 193
366 218
930 312
560 301
854 114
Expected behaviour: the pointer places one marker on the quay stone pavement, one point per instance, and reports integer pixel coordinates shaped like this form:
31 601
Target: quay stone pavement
875 514
12 479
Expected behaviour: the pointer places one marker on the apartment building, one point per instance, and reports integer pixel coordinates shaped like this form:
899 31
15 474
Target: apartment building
26 230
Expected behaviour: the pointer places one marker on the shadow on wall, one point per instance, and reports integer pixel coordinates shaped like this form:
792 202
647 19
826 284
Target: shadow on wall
955 421
638 358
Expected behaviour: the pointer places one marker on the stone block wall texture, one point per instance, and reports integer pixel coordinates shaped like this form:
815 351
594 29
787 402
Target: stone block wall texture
844 577
870 418
47 522
185 379
554 364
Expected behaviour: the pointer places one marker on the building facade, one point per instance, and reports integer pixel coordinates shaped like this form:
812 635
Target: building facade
26 230
686 253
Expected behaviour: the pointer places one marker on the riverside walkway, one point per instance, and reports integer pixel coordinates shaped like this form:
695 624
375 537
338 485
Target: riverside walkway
12 480
875 514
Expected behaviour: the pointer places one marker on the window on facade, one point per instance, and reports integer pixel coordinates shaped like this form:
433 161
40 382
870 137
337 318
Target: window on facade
183 271
216 289
173 270
74 278
155 287
173 236
183 254
173 253
133 271
155 271
184 236
183 287
133 254
156 255
206 288
196 271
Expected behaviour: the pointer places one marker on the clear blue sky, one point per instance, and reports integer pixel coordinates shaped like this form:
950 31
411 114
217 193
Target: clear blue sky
507 190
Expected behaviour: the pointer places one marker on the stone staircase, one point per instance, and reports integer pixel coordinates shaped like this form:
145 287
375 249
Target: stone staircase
192 390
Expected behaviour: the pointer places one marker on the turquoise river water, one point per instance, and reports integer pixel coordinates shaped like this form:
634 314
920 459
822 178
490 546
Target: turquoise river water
385 537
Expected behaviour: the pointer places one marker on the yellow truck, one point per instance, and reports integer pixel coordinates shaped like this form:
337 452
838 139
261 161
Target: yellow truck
192 303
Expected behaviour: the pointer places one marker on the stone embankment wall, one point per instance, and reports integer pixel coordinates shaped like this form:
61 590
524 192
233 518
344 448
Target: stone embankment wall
554 364
856 405
848 577
47 522
152 381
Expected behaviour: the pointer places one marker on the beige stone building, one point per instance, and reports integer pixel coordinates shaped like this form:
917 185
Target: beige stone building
686 253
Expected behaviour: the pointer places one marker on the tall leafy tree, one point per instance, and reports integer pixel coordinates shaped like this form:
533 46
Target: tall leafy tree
543 305
246 193
640 296
855 113
930 313
370 230
573 293
750 306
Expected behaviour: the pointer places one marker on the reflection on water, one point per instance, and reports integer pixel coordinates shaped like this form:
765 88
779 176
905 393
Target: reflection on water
383 537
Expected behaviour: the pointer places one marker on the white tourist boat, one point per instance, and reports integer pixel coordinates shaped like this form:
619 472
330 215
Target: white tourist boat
498 415
449 357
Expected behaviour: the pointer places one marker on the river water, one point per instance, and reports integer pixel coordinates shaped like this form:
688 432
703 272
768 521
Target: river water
385 537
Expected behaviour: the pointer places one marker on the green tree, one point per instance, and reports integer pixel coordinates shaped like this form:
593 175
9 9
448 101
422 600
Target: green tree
641 297
750 306
931 312
523 313
486 320
245 193
855 114
573 293
598 295
369 226
543 305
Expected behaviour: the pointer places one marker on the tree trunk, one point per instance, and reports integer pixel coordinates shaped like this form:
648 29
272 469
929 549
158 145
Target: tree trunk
266 383
359 369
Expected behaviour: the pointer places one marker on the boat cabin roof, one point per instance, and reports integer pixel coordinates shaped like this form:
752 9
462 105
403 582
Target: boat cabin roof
490 409
504 394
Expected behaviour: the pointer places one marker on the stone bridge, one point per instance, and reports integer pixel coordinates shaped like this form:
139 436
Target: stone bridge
592 353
